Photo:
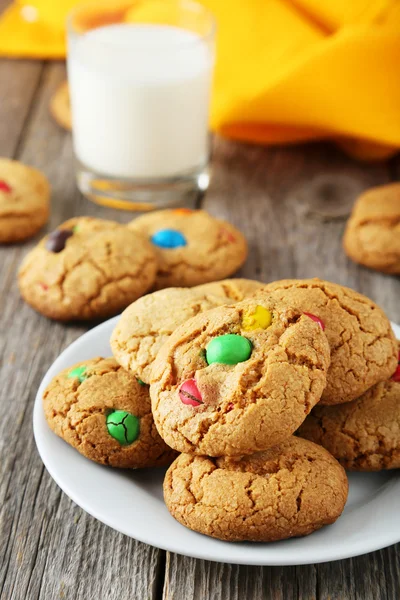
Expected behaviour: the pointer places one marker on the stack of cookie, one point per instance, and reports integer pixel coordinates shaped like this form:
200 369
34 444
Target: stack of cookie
234 369
92 268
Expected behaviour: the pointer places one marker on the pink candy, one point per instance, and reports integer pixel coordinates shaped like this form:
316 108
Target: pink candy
4 187
189 393
317 320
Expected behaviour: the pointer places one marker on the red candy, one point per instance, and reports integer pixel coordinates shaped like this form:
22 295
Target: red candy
44 286
317 320
4 187
396 374
230 407
189 393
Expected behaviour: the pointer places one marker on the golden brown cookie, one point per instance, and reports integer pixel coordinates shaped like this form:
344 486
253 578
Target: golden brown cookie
238 379
372 236
147 323
287 491
87 269
363 346
60 106
192 246
24 201
364 435
101 410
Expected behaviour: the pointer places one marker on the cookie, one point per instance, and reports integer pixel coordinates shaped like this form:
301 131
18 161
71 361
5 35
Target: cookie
372 236
24 201
86 269
238 379
287 491
192 246
364 435
363 346
101 410
147 323
60 106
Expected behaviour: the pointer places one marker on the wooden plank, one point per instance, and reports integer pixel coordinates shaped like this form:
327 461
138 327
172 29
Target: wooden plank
50 547
20 83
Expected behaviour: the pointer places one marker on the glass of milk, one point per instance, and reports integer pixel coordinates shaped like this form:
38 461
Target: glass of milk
140 77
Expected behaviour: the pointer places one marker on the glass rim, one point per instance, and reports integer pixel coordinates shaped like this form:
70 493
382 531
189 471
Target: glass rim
185 5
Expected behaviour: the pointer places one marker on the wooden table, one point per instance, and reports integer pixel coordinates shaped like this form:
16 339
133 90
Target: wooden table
52 549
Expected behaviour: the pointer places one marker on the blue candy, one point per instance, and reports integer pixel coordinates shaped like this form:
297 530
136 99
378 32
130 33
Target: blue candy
168 238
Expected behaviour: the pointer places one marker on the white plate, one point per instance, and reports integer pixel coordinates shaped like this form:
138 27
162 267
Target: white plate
131 501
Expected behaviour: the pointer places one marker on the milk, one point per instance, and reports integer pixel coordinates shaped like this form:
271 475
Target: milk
140 97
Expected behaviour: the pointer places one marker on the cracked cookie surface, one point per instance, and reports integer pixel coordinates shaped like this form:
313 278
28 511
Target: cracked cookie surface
203 406
372 236
147 323
196 249
364 435
80 399
363 346
24 201
287 491
101 269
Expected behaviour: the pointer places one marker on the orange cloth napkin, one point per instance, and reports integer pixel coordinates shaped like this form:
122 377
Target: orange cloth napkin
286 70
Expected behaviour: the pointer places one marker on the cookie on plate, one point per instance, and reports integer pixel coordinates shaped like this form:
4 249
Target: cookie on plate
364 435
238 379
372 236
287 491
192 246
60 106
363 346
101 410
147 323
24 201
87 269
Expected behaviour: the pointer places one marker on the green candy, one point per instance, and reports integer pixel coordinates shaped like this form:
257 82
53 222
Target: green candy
140 382
123 427
228 349
78 373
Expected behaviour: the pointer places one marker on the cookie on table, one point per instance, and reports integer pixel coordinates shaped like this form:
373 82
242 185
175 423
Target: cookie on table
24 201
364 435
372 236
87 269
239 378
192 246
363 346
147 323
287 491
60 106
101 410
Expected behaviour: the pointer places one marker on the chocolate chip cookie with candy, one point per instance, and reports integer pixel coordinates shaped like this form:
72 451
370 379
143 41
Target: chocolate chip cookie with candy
238 379
192 247
86 269
105 413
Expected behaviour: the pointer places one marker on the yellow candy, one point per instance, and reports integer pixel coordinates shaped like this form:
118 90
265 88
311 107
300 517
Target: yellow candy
256 318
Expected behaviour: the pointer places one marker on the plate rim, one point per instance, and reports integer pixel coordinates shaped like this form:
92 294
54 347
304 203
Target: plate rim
337 554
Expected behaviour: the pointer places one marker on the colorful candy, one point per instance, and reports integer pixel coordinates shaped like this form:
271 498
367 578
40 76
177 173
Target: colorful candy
228 349
78 373
189 393
140 382
57 239
317 320
227 235
168 238
123 427
256 318
4 187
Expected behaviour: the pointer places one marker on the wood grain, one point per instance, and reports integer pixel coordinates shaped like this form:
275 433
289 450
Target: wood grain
284 199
